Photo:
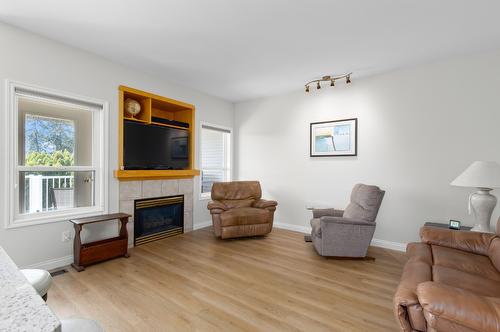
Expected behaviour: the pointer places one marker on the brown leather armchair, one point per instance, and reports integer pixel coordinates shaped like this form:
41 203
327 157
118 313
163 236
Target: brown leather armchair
451 282
237 210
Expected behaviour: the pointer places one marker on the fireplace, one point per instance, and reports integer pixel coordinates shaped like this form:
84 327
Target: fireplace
158 218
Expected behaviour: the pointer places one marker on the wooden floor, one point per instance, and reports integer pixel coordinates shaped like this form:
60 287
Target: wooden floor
194 282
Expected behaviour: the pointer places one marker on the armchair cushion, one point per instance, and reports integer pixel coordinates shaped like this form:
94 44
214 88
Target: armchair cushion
448 308
245 216
236 190
365 203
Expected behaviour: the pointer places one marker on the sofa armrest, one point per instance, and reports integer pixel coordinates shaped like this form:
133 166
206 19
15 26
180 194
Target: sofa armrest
474 242
318 213
216 207
265 204
417 270
345 221
448 308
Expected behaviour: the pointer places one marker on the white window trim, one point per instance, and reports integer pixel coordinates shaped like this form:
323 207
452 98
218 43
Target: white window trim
206 196
11 167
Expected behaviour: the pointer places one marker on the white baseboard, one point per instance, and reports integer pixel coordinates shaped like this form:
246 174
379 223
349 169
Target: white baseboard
56 263
375 242
291 227
51 264
398 246
202 225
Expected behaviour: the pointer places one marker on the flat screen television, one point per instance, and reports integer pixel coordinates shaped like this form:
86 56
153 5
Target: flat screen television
154 147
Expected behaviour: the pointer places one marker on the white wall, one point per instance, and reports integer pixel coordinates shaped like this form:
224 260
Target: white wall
31 59
418 129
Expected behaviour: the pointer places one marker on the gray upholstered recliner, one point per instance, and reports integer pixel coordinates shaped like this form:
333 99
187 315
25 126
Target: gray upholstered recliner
347 233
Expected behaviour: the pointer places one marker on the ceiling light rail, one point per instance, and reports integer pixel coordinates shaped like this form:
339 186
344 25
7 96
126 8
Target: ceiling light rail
329 78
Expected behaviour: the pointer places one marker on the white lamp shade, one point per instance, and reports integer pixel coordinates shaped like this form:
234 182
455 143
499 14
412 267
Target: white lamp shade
480 174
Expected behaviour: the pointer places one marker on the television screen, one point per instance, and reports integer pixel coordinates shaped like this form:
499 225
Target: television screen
154 147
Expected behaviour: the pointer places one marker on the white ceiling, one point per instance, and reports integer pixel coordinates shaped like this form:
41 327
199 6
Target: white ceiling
244 49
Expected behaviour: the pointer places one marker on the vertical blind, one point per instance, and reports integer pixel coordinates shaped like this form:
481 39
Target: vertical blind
215 158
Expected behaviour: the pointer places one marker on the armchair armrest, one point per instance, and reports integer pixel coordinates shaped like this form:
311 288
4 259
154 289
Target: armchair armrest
446 307
265 204
474 242
318 213
345 221
216 207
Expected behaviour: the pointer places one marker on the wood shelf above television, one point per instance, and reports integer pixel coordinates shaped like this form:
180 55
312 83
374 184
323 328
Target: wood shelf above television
154 107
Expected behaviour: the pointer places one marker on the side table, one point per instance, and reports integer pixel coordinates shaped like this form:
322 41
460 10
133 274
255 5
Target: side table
440 225
93 252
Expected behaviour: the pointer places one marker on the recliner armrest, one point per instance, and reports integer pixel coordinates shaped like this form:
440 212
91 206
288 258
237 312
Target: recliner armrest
265 204
318 213
216 207
345 221
445 306
474 242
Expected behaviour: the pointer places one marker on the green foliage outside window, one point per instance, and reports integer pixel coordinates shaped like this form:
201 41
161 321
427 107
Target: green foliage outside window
56 158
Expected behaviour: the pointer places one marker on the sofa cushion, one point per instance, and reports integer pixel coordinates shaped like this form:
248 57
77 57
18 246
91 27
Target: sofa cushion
245 216
494 252
465 261
471 282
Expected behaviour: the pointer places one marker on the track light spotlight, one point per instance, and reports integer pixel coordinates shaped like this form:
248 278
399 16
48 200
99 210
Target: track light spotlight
328 78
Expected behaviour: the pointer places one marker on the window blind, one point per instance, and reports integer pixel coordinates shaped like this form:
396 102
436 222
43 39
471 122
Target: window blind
214 156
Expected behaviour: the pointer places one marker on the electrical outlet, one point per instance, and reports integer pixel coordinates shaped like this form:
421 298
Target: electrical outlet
66 236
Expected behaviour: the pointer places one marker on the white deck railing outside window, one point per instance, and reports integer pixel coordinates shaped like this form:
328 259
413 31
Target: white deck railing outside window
39 197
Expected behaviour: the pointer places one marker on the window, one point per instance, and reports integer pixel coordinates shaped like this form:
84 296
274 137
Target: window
57 160
215 157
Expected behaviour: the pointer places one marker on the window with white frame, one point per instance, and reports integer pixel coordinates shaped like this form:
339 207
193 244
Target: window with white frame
57 161
215 156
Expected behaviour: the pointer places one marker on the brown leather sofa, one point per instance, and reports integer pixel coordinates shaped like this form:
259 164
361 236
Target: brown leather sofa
451 282
237 210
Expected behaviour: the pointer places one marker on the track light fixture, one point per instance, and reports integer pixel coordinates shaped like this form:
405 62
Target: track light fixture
328 78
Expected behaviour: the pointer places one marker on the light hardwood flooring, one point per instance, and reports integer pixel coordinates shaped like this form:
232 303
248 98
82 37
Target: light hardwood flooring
194 282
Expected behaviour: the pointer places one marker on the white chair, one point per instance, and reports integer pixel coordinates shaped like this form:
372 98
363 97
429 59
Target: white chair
39 279
80 325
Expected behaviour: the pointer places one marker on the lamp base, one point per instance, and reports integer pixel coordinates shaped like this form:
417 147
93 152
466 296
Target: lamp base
482 204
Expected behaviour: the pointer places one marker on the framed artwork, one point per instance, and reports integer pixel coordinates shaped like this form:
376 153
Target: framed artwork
334 138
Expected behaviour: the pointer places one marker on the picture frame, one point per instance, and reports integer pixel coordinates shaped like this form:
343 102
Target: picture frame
454 224
336 138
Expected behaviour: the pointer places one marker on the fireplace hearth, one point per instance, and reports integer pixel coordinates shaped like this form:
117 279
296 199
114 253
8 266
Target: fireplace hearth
158 218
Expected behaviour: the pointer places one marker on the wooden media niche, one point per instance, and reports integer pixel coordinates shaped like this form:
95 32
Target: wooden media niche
154 106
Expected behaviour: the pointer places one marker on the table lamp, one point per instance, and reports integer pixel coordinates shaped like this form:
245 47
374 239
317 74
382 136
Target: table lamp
483 175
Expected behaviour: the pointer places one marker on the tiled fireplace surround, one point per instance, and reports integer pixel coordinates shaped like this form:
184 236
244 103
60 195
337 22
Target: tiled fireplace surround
132 190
